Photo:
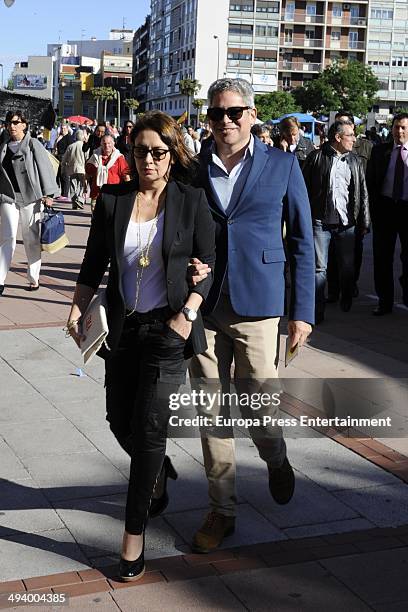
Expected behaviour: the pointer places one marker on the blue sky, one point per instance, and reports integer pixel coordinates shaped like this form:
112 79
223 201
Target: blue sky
29 25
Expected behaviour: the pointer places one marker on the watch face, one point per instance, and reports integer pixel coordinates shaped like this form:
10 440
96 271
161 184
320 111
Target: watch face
190 314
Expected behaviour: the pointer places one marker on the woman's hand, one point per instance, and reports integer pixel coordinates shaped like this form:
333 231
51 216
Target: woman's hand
74 329
180 325
284 145
197 272
48 201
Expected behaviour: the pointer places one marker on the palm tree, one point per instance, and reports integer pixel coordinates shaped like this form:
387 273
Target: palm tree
131 104
189 87
198 103
103 93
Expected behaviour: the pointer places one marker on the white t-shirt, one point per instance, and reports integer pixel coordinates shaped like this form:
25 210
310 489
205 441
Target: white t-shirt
153 287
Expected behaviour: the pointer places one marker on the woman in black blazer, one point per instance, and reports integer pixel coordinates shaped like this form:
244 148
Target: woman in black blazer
147 230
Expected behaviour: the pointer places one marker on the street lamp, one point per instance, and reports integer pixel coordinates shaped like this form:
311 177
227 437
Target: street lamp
2 76
217 38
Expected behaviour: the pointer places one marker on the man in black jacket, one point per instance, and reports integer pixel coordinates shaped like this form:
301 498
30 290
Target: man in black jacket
338 197
387 178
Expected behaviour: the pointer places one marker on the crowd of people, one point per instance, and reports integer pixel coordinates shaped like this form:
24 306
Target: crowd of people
202 231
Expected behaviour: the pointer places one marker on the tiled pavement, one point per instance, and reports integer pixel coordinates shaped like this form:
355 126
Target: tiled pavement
340 542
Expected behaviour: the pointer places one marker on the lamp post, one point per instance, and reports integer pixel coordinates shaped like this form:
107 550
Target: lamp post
2 76
118 96
217 38
399 75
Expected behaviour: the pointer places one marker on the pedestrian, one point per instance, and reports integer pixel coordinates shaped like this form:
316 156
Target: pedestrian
292 141
94 141
64 139
196 142
147 229
362 148
123 143
339 204
251 189
73 163
263 133
27 180
106 166
388 187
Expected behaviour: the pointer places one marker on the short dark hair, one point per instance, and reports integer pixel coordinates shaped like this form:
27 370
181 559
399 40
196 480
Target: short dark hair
258 130
399 117
16 113
344 113
337 128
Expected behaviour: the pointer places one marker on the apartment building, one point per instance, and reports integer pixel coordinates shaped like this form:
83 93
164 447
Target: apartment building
188 39
387 52
141 63
274 44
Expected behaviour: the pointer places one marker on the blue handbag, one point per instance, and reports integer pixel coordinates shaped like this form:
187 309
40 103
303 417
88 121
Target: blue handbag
53 236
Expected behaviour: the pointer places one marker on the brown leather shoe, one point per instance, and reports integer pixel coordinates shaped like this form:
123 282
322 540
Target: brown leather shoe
210 535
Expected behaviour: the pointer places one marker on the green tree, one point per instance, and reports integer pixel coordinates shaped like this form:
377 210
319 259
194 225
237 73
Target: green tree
132 105
350 86
189 88
10 84
198 103
105 94
275 104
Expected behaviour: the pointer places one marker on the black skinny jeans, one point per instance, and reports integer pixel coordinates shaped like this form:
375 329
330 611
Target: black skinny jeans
148 366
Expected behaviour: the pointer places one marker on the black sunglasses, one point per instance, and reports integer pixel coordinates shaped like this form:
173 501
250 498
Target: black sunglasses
234 113
158 154
15 122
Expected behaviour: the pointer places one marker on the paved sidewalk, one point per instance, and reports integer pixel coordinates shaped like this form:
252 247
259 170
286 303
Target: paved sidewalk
342 541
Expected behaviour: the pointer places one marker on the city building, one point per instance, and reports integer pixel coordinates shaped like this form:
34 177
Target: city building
34 77
387 53
186 41
141 64
274 44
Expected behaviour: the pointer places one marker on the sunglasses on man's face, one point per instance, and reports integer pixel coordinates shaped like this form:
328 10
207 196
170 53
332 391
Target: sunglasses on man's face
216 113
158 154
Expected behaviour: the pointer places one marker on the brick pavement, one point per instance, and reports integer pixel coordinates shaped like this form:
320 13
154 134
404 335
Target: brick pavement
351 345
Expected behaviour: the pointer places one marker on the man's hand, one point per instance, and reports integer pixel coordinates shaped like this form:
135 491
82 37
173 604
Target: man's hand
197 272
298 331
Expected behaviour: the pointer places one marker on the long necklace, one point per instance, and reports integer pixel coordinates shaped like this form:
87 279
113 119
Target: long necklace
144 259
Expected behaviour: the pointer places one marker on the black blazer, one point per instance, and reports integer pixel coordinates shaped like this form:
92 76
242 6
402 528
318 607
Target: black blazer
188 232
376 171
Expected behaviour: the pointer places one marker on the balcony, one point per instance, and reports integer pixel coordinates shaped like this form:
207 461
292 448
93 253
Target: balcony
240 38
310 43
239 63
299 66
346 45
391 95
242 15
347 21
264 65
271 41
302 17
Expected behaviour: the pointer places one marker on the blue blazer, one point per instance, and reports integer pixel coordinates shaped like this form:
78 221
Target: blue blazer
249 238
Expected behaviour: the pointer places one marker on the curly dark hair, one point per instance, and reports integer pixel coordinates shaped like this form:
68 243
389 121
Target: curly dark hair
184 168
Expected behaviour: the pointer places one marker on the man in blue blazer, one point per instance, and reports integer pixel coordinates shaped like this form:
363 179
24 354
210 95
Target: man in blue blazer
252 190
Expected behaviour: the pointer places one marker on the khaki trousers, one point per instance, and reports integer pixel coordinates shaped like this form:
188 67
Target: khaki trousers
251 346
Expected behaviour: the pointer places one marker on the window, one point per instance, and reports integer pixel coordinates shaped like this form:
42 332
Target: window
310 9
286 82
248 7
267 7
288 35
310 33
337 10
399 85
377 13
240 29
266 31
335 35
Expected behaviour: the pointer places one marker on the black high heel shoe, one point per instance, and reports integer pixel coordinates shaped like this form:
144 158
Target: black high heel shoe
132 570
159 504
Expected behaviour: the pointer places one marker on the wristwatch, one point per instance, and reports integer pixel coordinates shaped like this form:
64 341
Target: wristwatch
189 313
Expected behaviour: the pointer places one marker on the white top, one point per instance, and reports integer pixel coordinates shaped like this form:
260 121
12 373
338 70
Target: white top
153 287
14 145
